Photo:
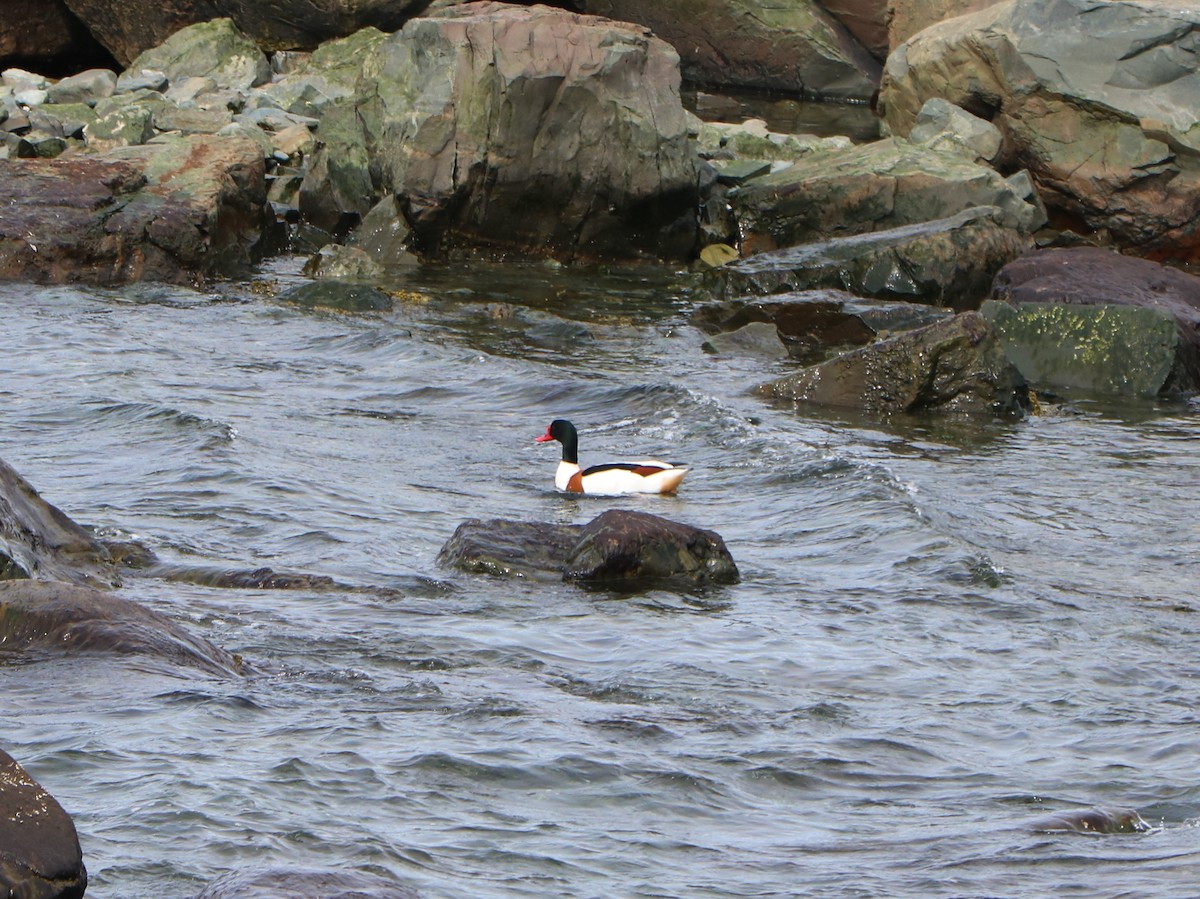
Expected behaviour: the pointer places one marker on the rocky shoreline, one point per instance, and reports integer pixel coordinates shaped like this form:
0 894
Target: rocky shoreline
1022 226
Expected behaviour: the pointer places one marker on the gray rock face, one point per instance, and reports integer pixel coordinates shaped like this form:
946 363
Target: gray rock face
529 128
1098 320
882 185
618 549
956 365
949 262
797 47
1097 100
39 849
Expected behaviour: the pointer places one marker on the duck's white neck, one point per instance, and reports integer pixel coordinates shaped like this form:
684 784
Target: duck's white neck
564 473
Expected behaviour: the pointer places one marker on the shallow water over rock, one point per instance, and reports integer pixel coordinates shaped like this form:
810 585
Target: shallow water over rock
943 630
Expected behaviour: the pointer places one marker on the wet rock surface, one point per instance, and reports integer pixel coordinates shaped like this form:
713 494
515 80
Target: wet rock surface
40 856
956 365
1092 820
618 549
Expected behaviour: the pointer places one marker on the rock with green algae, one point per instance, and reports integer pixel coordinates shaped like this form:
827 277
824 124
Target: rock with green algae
1118 350
339 296
216 49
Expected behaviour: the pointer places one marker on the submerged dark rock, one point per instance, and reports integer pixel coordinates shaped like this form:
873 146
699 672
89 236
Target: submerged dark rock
273 883
339 296
50 616
40 856
1092 820
619 548
955 365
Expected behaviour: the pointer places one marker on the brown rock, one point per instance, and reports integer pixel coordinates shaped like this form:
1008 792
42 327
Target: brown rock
40 856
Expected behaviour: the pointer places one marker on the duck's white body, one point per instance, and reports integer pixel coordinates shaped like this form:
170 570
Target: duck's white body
619 479
612 479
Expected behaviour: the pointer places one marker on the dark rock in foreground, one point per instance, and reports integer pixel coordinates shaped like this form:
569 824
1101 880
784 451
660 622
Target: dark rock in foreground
339 296
1152 346
620 548
40 856
274 883
956 365
49 616
624 549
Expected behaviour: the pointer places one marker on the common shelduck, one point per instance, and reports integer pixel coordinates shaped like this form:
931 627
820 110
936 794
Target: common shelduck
612 479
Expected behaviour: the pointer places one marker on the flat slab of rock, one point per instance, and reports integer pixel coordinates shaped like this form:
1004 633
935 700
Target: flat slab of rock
1120 344
40 856
949 262
53 617
955 365
618 549
174 210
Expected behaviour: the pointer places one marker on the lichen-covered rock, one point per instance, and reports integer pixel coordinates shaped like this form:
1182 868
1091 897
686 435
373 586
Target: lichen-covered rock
948 262
53 617
1150 346
532 129
216 49
1096 100
797 47
874 187
955 365
40 856
178 209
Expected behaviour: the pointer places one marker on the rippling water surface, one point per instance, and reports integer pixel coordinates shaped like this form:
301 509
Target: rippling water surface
942 632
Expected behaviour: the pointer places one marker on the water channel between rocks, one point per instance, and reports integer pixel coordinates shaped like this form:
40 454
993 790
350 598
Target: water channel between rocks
943 630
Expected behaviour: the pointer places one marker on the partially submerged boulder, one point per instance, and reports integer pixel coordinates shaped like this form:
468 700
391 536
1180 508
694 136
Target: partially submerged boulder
1091 319
338 296
618 549
1096 100
955 365
532 129
54 617
38 540
40 856
1092 820
812 322
303 883
948 262
175 210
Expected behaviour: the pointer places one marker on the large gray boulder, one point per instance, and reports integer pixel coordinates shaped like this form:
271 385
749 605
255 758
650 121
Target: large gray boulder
532 129
797 47
874 187
40 856
132 26
181 208
947 262
956 365
1096 100
216 50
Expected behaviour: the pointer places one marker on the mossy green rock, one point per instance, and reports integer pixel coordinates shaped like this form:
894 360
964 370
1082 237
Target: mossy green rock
340 296
214 49
1095 349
